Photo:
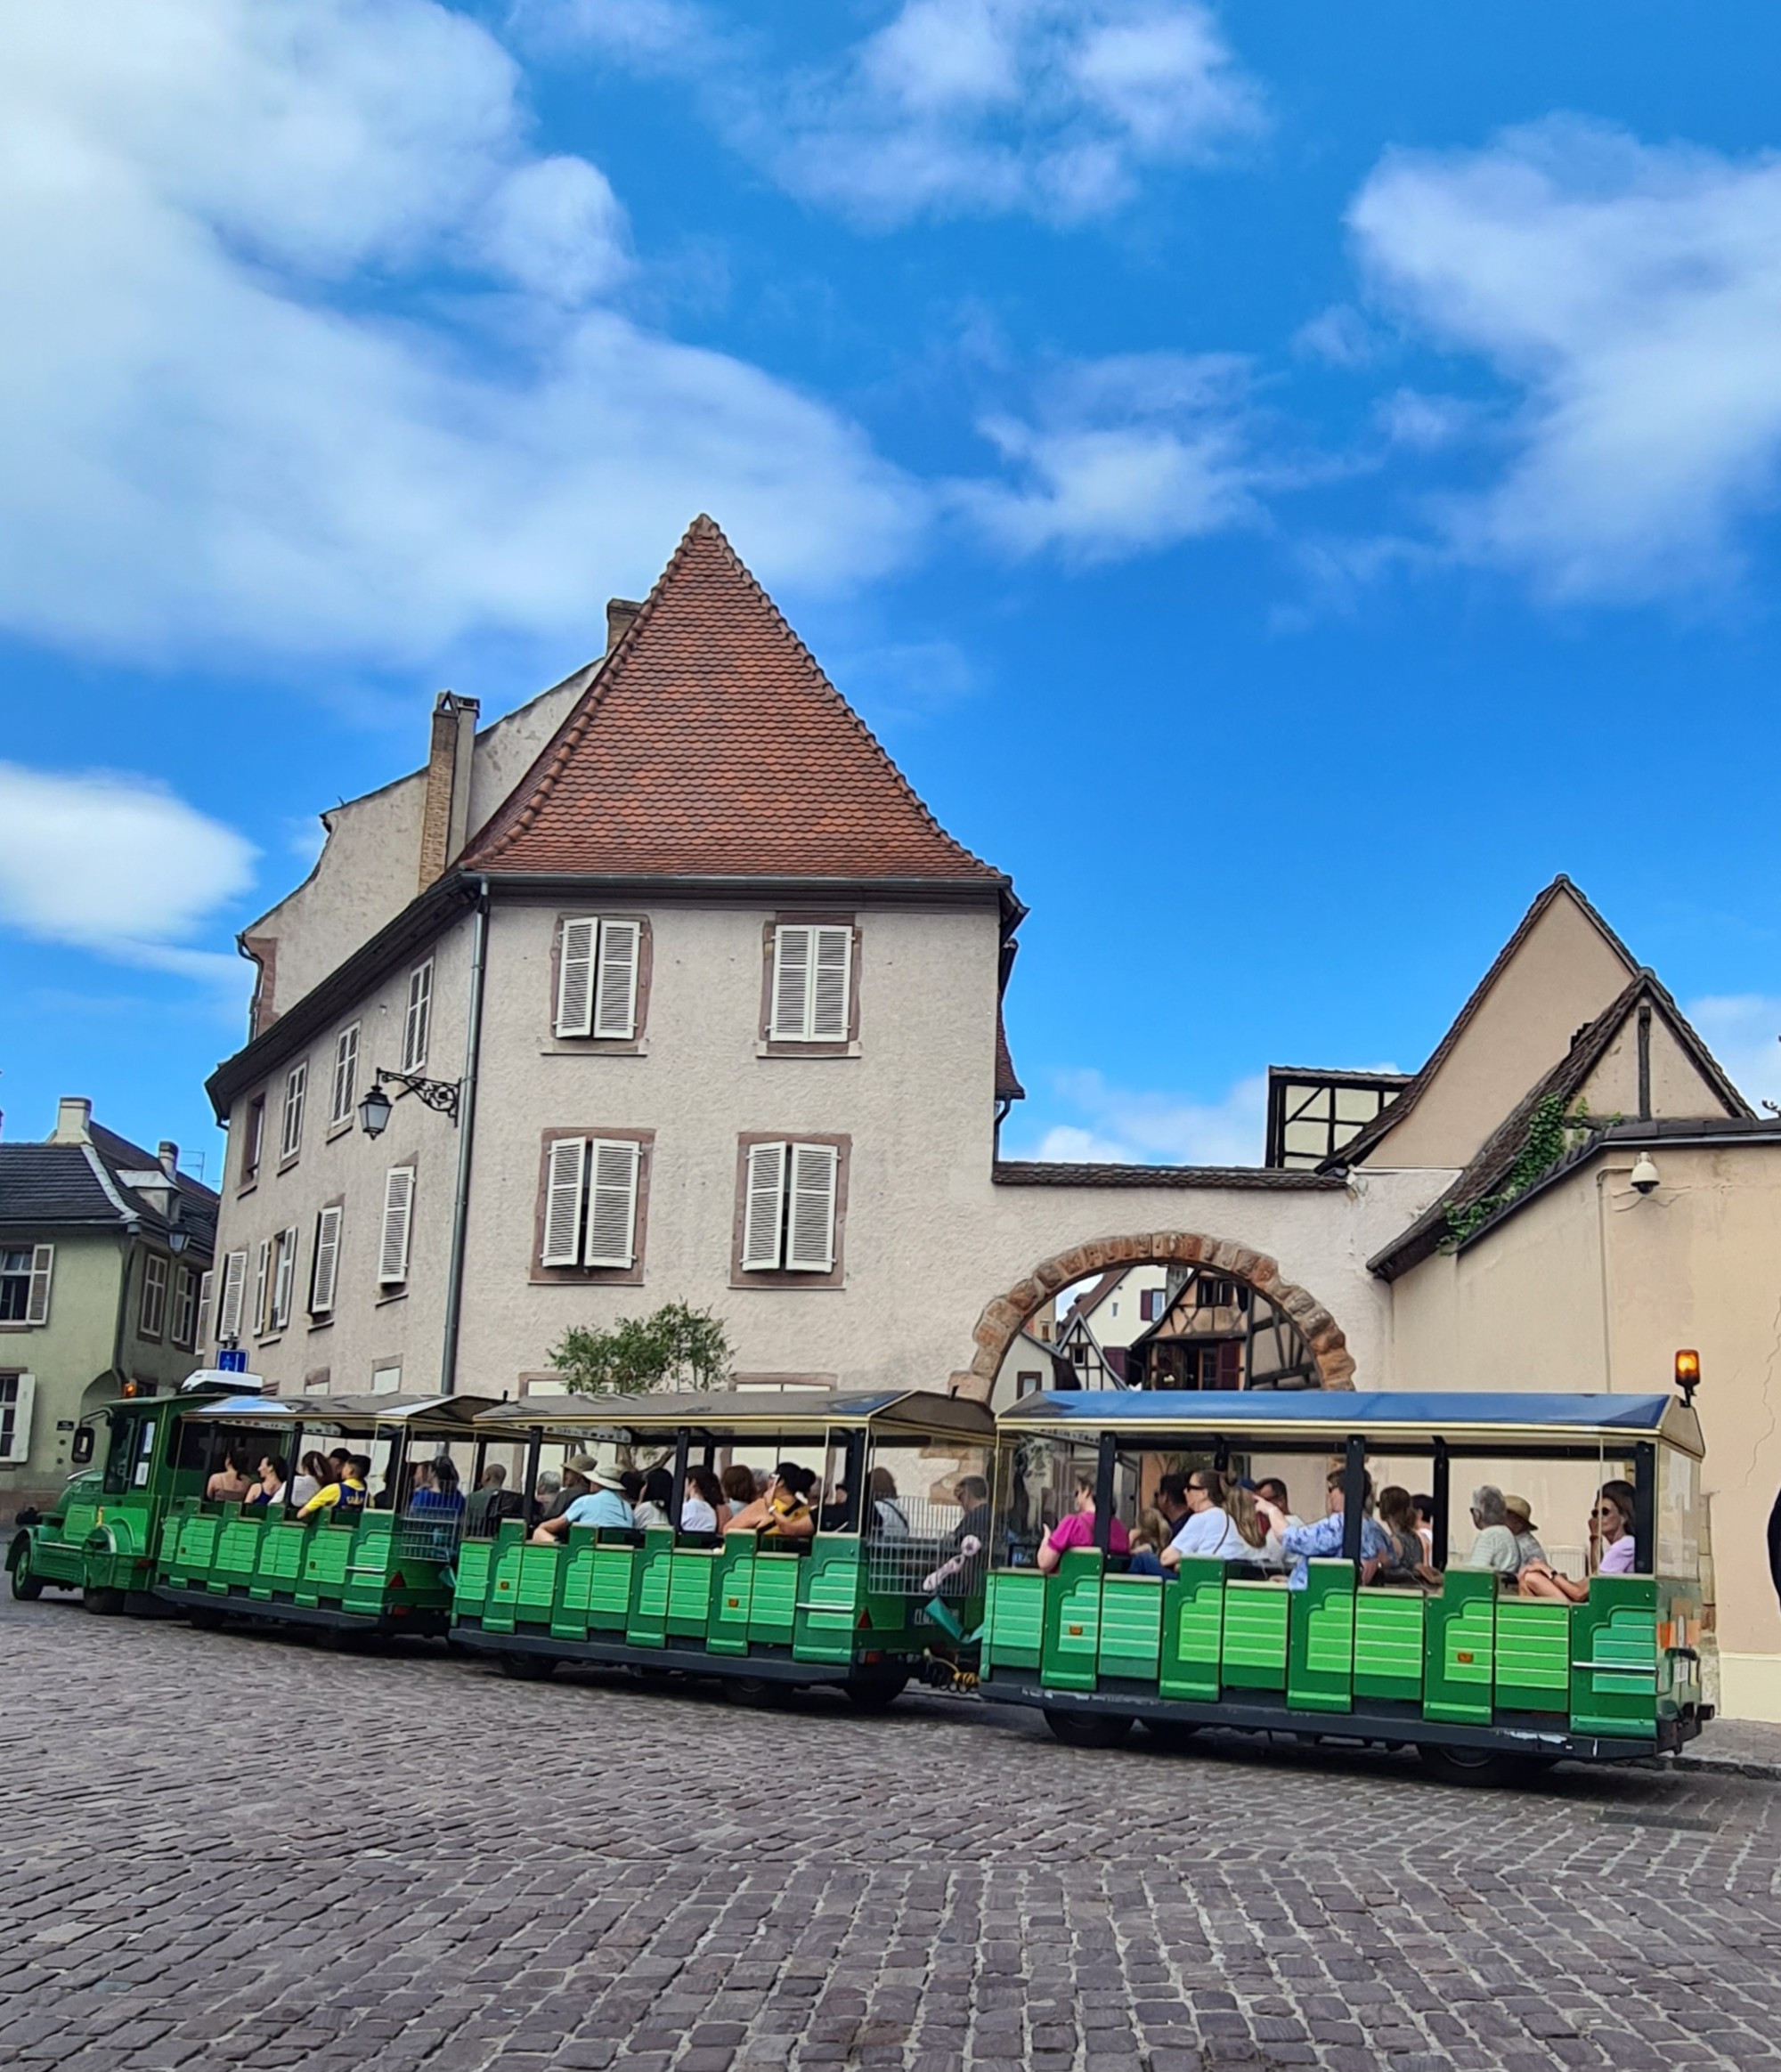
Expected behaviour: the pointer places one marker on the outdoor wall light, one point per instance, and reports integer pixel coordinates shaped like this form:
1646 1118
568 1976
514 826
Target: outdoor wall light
177 1239
1643 1175
1689 1374
440 1095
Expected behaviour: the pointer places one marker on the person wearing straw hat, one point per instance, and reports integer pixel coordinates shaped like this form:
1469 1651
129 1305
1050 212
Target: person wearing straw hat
1518 1515
603 1504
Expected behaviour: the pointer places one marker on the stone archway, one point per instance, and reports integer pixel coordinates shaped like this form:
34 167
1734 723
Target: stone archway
1003 1317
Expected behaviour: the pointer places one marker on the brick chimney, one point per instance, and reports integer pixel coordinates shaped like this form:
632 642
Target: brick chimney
619 612
444 821
74 1119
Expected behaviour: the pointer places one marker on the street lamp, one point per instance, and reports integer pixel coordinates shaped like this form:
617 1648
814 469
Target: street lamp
440 1095
374 1111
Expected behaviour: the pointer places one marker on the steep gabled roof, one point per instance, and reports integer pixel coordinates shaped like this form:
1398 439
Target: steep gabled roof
1496 1157
711 745
1367 1142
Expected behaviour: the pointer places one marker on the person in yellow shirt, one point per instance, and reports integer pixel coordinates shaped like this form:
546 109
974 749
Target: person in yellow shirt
785 1512
346 1494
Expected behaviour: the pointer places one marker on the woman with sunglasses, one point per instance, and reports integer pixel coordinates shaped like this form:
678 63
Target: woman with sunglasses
1611 1550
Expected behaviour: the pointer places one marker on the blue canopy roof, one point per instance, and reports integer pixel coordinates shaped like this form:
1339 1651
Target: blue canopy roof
1431 1413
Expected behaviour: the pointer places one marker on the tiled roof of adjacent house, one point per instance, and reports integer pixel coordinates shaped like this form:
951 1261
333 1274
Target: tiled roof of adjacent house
711 745
46 1186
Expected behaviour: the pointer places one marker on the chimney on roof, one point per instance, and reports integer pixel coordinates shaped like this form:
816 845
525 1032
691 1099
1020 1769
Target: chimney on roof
74 1119
619 612
450 754
166 1153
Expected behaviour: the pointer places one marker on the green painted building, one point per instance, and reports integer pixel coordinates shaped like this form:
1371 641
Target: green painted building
105 1253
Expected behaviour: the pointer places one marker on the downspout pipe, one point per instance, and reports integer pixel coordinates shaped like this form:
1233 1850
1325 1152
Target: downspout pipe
467 1138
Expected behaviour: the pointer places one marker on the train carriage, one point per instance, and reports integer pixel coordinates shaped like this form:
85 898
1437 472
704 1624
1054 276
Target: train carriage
861 1606
1479 1679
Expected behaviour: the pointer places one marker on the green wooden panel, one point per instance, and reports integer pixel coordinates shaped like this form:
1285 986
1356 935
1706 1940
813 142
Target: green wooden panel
690 1591
773 1610
1388 1645
574 1584
830 1601
609 1592
475 1567
1532 1657
238 1548
534 1585
1072 1641
1321 1647
1193 1631
646 1620
501 1603
1015 1620
1254 1654
281 1562
371 1563
1613 1674
1132 1626
732 1595
1457 1670
197 1543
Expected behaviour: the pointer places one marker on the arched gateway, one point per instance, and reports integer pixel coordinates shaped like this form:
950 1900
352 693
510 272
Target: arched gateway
1004 1316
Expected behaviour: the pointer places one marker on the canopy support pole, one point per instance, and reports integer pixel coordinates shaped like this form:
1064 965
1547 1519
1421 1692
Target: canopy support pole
1103 1492
677 1496
1354 1495
1644 1508
535 1447
1440 1525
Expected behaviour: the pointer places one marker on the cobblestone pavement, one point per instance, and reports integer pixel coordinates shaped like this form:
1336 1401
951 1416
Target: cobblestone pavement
223 1849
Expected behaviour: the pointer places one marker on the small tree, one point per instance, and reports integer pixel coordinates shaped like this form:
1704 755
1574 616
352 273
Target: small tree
678 1347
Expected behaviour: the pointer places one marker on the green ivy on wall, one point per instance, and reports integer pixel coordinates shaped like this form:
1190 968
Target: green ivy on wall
1550 1133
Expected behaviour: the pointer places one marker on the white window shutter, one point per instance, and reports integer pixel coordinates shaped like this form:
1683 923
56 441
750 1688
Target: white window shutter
763 1206
284 1276
415 1027
833 962
43 1271
616 1009
200 1322
398 1215
810 1233
325 1268
611 1204
791 984
19 1445
263 1266
346 1074
563 1172
296 1094
576 977
235 1287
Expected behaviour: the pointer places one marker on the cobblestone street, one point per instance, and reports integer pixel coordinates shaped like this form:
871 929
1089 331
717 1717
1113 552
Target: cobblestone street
225 1848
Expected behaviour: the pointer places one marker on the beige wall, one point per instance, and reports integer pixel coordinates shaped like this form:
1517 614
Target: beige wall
1593 1286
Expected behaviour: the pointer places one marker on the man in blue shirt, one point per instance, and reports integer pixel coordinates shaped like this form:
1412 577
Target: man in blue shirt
1324 1540
602 1505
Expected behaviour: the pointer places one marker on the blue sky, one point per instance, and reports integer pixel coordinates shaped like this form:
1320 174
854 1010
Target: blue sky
1283 481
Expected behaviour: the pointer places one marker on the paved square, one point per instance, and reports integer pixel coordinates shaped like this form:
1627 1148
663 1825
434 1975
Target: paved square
229 1849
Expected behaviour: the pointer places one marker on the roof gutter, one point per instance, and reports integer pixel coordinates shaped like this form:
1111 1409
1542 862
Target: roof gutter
466 1137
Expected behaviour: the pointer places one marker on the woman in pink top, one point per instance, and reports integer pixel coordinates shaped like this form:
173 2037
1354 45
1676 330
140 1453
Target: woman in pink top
1077 1529
1611 1548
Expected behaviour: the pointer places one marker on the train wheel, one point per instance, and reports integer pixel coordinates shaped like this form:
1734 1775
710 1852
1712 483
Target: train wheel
1088 1730
26 1587
207 1618
1171 1734
528 1668
1475 1766
757 1690
873 1694
105 1604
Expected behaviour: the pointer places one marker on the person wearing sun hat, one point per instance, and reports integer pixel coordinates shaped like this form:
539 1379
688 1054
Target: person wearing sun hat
1518 1513
602 1504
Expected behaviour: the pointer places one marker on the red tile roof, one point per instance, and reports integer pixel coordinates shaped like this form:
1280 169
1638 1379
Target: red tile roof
711 745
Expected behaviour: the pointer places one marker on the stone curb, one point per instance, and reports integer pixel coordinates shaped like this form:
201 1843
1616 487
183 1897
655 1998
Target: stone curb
1717 1766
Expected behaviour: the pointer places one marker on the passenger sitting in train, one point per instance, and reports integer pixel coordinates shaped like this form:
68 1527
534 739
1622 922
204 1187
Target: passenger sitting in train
702 1502
1324 1540
1406 1563
1148 1542
1611 1548
1077 1529
345 1491
233 1482
1206 1530
1495 1546
889 1520
602 1503
785 1512
312 1474
1274 1489
738 1488
652 1502
973 1493
1261 1554
435 1492
1518 1514
269 1489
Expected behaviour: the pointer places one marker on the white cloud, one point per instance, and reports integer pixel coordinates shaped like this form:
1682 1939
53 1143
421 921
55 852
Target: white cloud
1128 1128
240 411
117 864
1050 108
1743 1032
1340 335
1632 294
1410 417
1123 455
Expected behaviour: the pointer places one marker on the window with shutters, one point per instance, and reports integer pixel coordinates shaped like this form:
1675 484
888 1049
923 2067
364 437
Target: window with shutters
324 1265
284 1276
790 1211
810 988
393 1241
417 1025
253 1140
600 978
25 1272
185 1306
262 1286
16 1391
151 1312
593 1200
296 1098
229 1303
346 1086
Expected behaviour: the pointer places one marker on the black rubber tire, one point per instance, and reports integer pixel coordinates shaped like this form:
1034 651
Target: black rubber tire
1088 1730
1480 1767
207 1618
1171 1734
528 1668
875 1693
757 1691
103 1603
26 1587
